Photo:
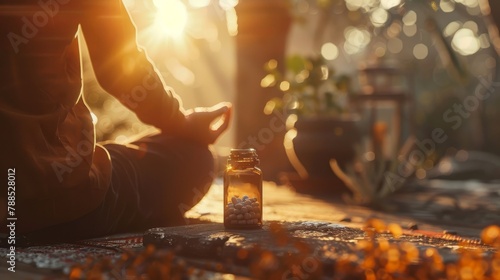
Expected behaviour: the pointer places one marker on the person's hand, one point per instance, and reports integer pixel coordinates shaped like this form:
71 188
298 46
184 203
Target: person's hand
201 125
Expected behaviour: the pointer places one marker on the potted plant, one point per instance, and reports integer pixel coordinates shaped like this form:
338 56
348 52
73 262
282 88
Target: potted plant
320 126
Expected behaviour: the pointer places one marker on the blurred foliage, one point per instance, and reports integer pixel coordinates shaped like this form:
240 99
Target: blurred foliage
447 45
309 86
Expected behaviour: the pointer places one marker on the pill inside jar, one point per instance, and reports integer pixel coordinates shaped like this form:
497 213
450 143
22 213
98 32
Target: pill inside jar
243 211
243 191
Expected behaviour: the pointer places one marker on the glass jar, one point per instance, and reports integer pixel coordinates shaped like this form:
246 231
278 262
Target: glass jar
243 190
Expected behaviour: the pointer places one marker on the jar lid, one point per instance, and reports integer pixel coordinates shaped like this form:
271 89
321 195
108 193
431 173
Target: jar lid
244 155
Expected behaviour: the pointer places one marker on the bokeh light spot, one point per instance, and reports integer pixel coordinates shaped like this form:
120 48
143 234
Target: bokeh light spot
451 28
379 17
329 51
447 6
410 30
421 173
369 156
491 234
471 25
468 3
387 4
271 65
379 49
474 11
410 18
484 40
420 51
465 42
284 86
268 80
232 22
395 45
394 29
356 39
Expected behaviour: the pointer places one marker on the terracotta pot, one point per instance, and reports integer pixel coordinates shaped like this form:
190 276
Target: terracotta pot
311 142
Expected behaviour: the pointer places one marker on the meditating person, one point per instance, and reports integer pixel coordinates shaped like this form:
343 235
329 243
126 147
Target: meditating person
65 185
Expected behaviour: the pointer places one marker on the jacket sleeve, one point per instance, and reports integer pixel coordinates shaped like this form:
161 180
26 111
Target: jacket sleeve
124 70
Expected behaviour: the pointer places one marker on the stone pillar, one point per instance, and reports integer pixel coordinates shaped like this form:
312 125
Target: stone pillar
263 27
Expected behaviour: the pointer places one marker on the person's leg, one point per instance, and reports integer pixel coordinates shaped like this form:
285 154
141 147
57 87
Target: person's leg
172 176
155 181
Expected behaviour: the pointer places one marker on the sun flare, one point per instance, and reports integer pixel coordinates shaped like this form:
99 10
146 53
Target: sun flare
171 18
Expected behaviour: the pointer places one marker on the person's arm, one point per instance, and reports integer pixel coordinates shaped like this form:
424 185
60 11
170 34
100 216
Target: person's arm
123 70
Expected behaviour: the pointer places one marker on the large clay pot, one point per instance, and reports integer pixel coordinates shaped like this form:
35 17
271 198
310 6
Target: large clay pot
311 142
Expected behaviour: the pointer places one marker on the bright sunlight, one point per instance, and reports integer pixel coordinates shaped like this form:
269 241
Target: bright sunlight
171 17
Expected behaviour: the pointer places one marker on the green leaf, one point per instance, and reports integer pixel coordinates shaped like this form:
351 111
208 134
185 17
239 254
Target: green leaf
296 63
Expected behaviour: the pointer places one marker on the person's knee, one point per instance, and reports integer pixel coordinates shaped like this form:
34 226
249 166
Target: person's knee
197 173
198 162
206 159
